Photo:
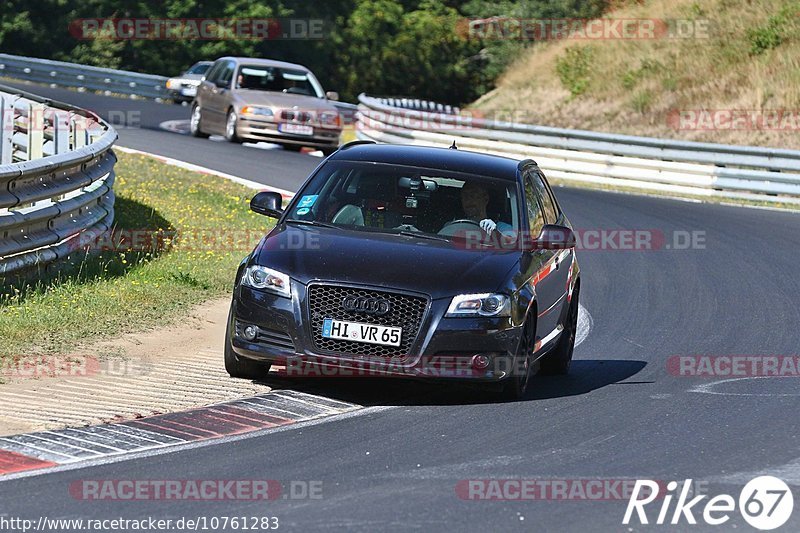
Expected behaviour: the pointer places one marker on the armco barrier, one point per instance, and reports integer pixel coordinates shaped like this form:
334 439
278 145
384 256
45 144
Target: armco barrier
56 178
671 166
83 76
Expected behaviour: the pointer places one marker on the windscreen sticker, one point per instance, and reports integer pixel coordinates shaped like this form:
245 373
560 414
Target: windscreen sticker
307 201
303 211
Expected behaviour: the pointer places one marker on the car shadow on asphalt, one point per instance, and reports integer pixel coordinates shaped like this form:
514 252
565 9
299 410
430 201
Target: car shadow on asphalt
585 376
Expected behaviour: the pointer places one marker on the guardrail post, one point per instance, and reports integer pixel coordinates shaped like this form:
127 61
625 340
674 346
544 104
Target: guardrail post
77 124
35 131
60 132
6 130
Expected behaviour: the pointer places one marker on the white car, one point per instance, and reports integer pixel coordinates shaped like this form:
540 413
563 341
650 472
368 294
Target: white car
183 88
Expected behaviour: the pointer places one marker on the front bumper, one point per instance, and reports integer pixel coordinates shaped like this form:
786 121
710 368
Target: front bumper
255 129
183 93
444 348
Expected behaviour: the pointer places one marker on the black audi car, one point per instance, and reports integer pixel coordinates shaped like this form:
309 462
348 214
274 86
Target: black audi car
410 261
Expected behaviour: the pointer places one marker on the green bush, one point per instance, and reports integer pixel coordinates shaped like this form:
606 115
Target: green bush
574 69
632 77
765 38
642 101
777 29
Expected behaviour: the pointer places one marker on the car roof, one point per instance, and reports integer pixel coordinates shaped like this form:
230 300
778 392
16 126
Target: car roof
461 161
264 62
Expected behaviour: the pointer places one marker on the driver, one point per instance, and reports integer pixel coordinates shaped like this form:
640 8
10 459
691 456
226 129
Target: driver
474 199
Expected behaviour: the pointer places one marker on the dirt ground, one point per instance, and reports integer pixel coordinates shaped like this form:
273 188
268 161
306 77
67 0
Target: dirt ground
163 370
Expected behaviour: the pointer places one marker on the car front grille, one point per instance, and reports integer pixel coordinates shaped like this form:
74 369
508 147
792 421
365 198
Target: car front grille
295 116
407 312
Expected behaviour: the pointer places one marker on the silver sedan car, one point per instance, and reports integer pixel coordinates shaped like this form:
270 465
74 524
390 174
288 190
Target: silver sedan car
248 99
183 88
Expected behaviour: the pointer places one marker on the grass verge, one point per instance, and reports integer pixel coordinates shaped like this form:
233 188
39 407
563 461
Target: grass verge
178 238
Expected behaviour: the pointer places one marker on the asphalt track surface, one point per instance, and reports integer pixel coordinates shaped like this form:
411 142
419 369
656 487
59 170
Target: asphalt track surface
620 414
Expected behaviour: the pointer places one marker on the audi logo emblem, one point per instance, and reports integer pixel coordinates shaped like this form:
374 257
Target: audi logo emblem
370 306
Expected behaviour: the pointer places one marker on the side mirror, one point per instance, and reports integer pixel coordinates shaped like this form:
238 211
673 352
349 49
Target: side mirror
554 237
221 84
332 95
267 203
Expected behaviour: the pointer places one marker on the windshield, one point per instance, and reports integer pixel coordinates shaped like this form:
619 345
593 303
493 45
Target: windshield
274 79
402 199
199 68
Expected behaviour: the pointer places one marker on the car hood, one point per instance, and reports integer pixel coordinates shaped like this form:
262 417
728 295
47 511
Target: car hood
437 268
282 100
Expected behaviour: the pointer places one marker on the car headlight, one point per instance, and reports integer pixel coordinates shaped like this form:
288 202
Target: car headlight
255 110
260 277
172 83
479 305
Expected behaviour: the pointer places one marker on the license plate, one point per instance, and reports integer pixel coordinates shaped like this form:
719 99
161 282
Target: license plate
358 332
189 91
297 129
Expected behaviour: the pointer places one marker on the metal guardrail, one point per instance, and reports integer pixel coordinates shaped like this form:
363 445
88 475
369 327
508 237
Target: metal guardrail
415 104
56 179
83 76
701 169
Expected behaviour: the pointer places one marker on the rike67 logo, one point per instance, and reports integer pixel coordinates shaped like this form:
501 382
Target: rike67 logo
765 503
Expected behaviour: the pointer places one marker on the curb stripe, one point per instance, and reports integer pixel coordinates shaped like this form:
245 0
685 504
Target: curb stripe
11 462
145 434
46 449
260 418
177 434
34 452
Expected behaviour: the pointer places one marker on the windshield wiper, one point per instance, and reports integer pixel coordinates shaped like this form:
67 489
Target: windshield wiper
311 223
420 235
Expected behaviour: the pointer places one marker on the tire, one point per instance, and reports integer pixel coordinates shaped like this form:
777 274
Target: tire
515 387
194 123
557 362
230 127
292 147
241 368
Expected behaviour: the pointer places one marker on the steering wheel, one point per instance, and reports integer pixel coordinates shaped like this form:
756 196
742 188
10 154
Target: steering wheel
446 227
462 221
